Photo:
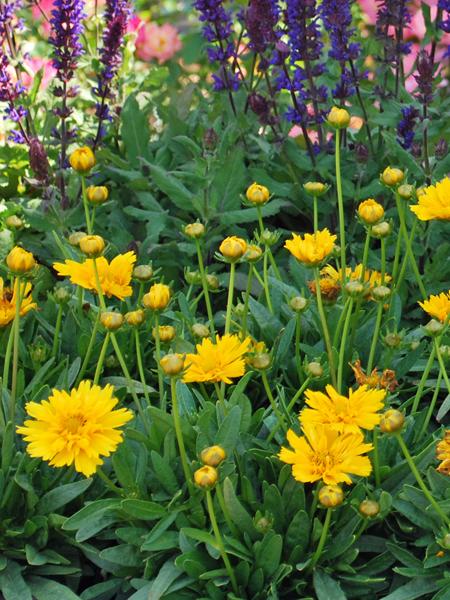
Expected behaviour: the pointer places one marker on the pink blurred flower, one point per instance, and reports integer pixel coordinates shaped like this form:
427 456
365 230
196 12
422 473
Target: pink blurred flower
158 42
33 66
135 24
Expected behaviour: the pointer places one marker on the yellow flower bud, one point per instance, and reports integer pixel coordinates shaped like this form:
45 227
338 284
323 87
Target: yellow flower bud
257 194
369 508
14 222
392 176
212 281
406 191
82 159
213 456
206 477
166 333
75 237
135 317
97 194
158 297
200 330
20 261
381 230
392 421
233 248
143 272
298 303
339 118
370 211
331 496
172 364
194 230
315 188
314 369
92 245
111 320
253 253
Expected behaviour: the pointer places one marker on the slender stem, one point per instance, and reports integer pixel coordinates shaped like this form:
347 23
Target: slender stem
9 345
280 417
376 457
322 540
266 280
431 407
405 258
383 260
140 364
376 333
366 252
90 347
107 481
248 290
162 403
398 247
57 331
441 364
290 406
219 540
230 297
409 250
225 511
260 220
415 472
101 358
298 358
316 213
179 433
423 380
201 268
326 333
337 333
340 199
86 205
15 364
342 349
274 264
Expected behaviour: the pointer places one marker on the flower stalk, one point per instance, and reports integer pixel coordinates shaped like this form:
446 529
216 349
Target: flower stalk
326 333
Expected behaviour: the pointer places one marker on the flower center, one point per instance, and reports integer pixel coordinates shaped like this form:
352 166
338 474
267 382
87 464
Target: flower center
74 423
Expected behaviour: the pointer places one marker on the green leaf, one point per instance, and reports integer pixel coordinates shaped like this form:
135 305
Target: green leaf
239 515
164 473
228 433
200 535
135 132
326 588
12 584
123 554
61 496
143 509
417 588
268 553
171 187
166 576
45 589
93 518
298 531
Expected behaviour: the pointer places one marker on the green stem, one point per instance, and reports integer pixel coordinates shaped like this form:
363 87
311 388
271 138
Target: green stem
322 540
431 407
201 267
298 358
405 258
316 213
219 540
383 260
179 433
415 472
376 458
5 378
376 333
423 380
409 250
340 199
162 402
441 363
15 364
342 348
273 404
366 253
90 347
101 358
342 317
248 290
140 365
290 406
274 264
107 481
230 297
57 331
260 220
398 247
266 279
86 205
326 333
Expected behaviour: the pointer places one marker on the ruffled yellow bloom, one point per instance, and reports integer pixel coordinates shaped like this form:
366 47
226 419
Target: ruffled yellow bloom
114 277
8 302
323 453
443 454
372 278
434 202
437 306
219 361
75 428
312 249
344 414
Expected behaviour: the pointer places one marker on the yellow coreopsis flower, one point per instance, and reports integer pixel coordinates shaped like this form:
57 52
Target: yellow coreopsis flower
437 306
443 454
220 361
371 278
324 454
344 414
114 277
75 428
8 299
311 249
434 202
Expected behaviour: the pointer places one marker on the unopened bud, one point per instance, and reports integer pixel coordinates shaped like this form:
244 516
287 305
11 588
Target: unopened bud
392 340
92 245
75 237
381 293
315 188
434 327
331 496
20 261
97 194
257 194
213 456
406 191
13 222
381 230
339 118
193 277
210 139
369 508
166 333
111 320
200 330
135 317
354 288
314 369
260 362
298 304
194 230
392 176
392 421
233 248
143 272
206 477
38 160
172 364
441 149
212 281
61 295
253 253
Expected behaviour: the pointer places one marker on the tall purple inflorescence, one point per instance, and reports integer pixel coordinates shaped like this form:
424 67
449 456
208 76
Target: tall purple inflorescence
261 18
406 126
117 14
217 30
393 16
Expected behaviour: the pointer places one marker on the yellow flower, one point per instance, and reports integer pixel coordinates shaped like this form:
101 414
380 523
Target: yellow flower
213 456
82 159
392 176
75 428
345 415
312 249
437 306
92 245
97 194
257 194
194 230
8 302
220 361
166 333
233 248
339 118
172 364
443 454
158 297
324 454
434 202
331 496
329 288
371 278
370 211
114 277
20 261
206 477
